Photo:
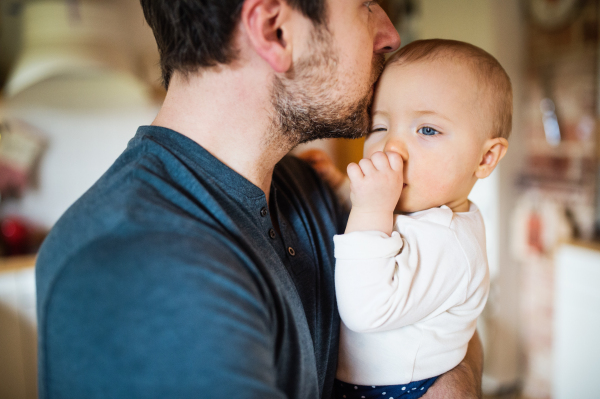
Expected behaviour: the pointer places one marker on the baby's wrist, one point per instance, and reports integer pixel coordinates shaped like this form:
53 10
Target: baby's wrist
365 219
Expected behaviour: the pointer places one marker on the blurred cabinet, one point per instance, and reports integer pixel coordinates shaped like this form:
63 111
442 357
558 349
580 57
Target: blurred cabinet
577 323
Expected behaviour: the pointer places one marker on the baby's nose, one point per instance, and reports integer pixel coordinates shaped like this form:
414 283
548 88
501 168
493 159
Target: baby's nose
398 147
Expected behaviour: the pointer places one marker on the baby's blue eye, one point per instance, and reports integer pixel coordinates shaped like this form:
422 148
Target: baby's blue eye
428 131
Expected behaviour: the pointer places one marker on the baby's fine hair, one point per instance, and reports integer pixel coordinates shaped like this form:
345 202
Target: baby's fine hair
491 77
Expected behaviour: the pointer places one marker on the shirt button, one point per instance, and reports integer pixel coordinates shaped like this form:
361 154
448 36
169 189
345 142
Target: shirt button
272 233
291 251
264 212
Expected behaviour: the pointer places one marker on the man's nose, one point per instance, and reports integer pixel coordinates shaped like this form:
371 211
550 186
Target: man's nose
387 38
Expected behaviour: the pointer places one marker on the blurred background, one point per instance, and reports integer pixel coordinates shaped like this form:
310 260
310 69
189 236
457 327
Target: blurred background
77 78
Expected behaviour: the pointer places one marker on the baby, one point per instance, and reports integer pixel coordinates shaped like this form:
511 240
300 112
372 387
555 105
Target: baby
411 273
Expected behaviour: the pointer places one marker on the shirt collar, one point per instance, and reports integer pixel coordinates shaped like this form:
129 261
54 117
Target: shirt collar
195 156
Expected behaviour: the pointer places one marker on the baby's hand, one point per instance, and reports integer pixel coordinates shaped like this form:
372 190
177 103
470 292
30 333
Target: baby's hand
376 186
324 166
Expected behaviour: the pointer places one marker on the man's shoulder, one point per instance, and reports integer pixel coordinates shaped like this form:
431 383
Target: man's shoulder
165 251
149 187
148 208
138 256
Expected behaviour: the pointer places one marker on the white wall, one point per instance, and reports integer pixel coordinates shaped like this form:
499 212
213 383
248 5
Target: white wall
86 127
86 116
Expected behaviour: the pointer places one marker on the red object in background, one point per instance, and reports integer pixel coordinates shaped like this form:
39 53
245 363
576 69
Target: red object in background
534 226
15 234
12 181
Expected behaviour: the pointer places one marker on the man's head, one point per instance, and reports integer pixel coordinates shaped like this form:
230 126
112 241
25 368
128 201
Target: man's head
446 108
324 55
193 34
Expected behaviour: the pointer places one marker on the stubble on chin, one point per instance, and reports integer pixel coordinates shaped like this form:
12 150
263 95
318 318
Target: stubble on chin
309 103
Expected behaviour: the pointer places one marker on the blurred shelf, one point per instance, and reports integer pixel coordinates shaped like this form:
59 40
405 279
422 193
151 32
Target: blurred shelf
593 245
13 263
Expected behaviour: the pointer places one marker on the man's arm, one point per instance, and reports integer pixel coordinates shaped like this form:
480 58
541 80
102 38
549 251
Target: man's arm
157 316
464 380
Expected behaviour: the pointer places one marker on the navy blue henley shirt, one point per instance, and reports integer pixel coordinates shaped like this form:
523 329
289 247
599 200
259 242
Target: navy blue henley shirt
167 279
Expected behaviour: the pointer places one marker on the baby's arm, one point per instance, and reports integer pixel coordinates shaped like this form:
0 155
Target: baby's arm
383 283
376 185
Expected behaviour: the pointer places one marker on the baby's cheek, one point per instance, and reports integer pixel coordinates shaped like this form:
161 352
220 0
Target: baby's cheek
372 145
449 167
440 184
443 190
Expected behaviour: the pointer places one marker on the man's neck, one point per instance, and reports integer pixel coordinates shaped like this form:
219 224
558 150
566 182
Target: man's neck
229 113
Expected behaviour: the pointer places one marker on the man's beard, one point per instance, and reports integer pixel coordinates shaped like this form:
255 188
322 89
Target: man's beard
310 105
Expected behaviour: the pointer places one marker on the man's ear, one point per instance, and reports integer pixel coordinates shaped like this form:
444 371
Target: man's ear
265 22
493 151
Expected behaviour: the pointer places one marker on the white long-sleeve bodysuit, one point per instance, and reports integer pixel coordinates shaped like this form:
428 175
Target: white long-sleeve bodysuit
409 302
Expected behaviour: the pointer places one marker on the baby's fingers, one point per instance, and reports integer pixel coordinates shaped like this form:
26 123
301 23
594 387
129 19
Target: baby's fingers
396 161
366 165
354 172
380 161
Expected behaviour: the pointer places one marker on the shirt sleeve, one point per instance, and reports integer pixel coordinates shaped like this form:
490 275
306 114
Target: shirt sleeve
384 283
153 318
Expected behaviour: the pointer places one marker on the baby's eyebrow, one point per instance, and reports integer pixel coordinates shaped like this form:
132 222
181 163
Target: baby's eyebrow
426 112
380 112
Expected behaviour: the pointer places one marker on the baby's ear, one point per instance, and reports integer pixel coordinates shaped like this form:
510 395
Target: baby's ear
493 151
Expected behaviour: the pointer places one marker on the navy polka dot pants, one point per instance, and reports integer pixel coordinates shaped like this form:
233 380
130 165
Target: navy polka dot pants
413 390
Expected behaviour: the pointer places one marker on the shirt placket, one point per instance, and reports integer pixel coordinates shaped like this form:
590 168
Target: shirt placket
263 218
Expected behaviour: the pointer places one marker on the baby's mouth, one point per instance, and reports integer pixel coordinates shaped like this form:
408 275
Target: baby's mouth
404 185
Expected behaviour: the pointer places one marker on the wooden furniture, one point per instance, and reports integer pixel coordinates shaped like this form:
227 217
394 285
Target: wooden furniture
15 263
18 328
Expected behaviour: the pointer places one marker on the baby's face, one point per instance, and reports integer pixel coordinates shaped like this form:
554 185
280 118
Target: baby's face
431 114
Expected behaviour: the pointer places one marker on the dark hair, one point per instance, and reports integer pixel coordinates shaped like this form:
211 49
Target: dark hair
192 34
490 74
